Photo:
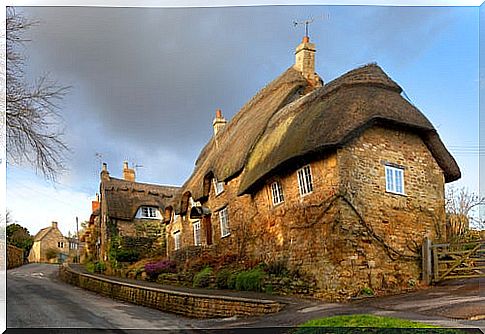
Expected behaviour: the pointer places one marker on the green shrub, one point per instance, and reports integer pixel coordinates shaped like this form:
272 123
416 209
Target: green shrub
278 267
231 280
90 267
128 255
222 278
367 291
250 280
202 278
96 267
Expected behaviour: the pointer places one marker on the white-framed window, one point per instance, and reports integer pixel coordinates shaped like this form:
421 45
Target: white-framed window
224 221
305 184
148 212
196 226
218 186
176 239
394 180
277 193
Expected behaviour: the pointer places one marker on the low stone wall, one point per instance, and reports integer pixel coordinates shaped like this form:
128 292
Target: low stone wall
187 304
15 256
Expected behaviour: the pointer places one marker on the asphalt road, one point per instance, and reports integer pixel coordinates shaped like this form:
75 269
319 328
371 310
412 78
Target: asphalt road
36 298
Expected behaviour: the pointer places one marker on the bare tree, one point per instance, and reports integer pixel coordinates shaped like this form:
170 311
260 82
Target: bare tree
461 211
32 117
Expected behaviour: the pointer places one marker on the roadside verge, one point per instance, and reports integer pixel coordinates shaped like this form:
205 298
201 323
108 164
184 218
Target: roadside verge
183 303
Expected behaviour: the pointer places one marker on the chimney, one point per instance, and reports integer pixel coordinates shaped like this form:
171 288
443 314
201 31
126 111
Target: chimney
128 173
54 224
95 204
104 172
305 61
219 122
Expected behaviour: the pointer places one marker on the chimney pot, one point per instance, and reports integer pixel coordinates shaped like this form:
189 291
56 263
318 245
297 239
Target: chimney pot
306 39
54 224
219 122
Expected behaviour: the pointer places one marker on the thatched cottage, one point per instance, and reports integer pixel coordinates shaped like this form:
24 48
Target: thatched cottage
129 214
49 245
342 180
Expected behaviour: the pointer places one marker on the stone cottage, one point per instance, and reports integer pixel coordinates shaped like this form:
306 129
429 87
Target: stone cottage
130 214
342 180
47 240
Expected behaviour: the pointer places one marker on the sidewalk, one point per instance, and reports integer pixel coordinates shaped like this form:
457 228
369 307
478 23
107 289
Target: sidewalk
453 304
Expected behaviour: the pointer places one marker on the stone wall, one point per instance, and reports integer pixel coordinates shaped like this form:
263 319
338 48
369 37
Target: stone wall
187 304
15 256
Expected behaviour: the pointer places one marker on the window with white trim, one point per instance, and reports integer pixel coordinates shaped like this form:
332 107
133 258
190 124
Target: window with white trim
224 221
394 180
277 193
176 239
218 186
305 184
148 212
196 226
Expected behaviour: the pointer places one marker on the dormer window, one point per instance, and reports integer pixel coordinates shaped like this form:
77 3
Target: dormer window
218 186
148 212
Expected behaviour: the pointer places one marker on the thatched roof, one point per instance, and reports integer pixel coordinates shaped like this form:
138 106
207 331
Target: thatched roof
124 198
331 116
279 127
225 157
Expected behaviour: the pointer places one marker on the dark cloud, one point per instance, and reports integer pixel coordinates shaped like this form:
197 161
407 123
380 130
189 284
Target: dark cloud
146 81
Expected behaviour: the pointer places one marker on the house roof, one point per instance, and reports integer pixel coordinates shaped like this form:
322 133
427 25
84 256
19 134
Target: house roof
331 116
42 233
124 197
279 127
225 155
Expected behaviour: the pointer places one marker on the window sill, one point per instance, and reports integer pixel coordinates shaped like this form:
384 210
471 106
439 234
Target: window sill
219 194
305 195
396 193
225 236
278 204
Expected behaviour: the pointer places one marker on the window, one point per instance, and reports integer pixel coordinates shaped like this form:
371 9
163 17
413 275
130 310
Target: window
175 217
223 219
395 180
305 180
218 186
196 233
277 193
148 212
60 244
176 238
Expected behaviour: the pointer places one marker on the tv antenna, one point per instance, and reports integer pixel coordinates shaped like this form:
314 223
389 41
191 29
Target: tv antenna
305 22
99 157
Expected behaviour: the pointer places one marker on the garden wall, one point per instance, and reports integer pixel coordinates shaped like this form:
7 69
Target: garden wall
187 304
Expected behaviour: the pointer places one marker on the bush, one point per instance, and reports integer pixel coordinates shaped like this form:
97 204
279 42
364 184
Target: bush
96 267
250 280
222 278
153 269
278 268
127 256
231 280
202 278
51 253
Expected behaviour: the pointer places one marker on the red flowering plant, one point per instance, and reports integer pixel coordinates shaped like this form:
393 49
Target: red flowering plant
153 269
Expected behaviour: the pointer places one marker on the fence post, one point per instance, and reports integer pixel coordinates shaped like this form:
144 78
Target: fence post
426 257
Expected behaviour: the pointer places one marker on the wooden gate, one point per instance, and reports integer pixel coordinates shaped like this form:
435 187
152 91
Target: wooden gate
454 260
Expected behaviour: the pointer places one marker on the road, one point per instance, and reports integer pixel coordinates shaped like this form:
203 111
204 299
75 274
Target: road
36 298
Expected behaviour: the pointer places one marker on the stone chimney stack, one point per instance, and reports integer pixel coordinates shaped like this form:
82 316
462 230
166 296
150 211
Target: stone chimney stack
305 61
128 173
219 122
104 172
54 224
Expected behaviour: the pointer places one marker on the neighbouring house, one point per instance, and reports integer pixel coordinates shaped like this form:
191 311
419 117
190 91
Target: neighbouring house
131 216
342 181
49 245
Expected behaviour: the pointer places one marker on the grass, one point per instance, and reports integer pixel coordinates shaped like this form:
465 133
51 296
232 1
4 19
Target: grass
348 324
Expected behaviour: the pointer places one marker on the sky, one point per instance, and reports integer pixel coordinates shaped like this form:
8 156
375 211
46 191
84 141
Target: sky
145 83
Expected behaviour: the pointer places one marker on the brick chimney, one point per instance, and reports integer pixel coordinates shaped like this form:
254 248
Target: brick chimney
305 61
219 122
128 173
104 172
95 204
